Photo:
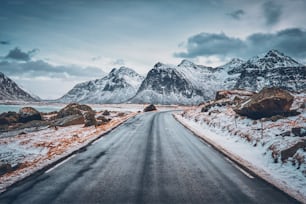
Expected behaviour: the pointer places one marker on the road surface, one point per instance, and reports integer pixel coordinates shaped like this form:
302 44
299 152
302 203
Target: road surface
149 159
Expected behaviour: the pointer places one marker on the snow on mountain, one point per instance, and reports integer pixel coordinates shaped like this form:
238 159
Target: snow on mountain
188 83
226 80
168 84
271 69
117 87
9 90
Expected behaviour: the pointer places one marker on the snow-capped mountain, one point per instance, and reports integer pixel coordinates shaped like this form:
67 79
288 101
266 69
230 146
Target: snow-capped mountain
117 87
181 84
188 83
226 80
9 90
271 69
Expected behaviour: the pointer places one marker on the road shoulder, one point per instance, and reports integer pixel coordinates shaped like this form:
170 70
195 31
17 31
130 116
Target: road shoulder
239 159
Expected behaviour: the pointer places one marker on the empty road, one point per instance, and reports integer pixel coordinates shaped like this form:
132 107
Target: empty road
149 159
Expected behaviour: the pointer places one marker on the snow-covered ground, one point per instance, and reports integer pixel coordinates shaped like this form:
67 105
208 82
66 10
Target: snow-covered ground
255 143
32 151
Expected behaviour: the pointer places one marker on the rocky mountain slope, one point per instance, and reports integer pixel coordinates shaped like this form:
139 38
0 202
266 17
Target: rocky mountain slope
273 69
117 87
9 90
181 84
188 83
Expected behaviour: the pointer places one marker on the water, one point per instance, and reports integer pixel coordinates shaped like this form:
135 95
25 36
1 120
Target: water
41 108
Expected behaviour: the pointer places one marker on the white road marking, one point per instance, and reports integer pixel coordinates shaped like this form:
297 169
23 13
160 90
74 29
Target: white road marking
240 169
59 164
97 140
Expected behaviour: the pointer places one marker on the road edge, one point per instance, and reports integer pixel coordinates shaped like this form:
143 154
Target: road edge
59 160
242 162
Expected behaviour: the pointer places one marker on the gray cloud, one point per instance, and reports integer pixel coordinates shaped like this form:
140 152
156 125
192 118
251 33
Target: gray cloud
19 55
290 41
237 14
272 12
43 69
206 44
5 42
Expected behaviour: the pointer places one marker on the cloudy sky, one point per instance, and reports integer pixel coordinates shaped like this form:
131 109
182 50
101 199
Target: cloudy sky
49 45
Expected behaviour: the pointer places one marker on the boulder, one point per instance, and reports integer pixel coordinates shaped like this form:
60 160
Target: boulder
27 114
285 154
103 119
299 131
5 168
89 119
77 109
9 118
70 120
268 102
73 109
106 112
150 107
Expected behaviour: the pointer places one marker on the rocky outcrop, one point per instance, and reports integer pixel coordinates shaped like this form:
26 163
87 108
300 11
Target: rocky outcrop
150 107
231 94
289 152
85 113
299 131
268 102
9 118
28 114
89 119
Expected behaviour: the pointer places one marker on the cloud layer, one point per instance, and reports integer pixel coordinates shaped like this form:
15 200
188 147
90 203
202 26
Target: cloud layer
19 55
291 41
41 68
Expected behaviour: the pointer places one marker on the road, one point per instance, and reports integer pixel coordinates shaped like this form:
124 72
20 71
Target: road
149 159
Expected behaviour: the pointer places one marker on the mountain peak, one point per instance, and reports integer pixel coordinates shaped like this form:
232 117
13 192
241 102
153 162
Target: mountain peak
275 53
185 62
9 90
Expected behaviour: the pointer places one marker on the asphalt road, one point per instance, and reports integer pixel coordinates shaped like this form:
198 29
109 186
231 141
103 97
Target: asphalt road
149 159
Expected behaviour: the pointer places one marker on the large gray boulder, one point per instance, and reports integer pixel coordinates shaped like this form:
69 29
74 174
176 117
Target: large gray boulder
268 102
79 114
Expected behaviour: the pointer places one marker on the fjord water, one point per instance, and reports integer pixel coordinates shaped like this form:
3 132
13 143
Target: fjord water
41 108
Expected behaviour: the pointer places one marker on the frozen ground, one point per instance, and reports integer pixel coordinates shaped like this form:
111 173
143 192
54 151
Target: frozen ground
255 143
32 151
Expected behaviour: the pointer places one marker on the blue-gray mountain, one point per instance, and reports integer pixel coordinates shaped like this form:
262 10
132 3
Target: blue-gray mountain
9 90
188 83
117 87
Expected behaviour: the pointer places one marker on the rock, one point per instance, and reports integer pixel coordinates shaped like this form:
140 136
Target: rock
299 131
77 109
150 107
284 134
73 109
70 120
268 102
28 114
285 154
89 119
103 119
5 168
106 112
9 118
231 94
